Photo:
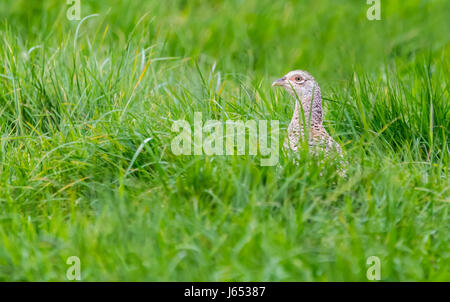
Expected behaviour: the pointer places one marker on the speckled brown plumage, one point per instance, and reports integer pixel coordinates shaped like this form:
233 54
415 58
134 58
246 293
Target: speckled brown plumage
302 86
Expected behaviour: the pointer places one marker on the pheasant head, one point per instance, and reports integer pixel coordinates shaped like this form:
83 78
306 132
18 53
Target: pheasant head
302 86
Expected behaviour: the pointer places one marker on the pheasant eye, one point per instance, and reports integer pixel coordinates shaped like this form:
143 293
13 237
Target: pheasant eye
298 79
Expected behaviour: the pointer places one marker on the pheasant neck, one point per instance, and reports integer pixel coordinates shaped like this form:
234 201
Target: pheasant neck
312 110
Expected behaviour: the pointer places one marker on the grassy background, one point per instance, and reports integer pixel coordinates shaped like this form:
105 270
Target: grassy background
78 99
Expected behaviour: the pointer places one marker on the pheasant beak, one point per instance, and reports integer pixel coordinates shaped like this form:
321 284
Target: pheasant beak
279 82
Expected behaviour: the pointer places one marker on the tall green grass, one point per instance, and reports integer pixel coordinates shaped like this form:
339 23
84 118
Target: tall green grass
77 105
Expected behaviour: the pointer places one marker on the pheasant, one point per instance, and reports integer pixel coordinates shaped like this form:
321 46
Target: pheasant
302 86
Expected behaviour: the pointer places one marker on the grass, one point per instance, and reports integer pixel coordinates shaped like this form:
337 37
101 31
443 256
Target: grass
78 99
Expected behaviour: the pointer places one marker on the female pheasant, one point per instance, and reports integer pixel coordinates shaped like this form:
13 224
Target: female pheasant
302 86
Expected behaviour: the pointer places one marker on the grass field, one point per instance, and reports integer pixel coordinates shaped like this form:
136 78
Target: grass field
78 99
